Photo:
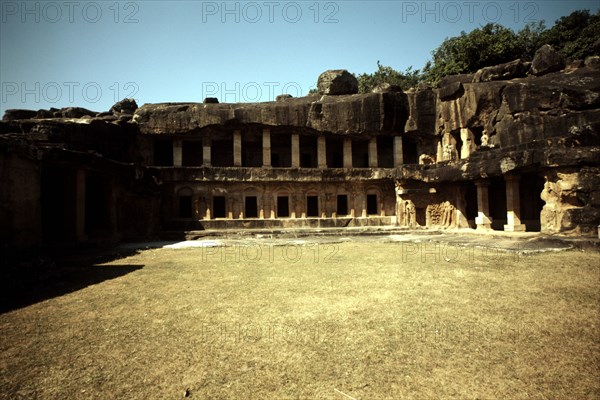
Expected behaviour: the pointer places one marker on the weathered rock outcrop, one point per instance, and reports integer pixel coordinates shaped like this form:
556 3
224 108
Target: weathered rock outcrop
547 60
509 70
572 200
125 106
336 82
343 114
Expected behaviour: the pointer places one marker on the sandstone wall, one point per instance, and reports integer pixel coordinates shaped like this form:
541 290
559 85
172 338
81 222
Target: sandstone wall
20 207
572 198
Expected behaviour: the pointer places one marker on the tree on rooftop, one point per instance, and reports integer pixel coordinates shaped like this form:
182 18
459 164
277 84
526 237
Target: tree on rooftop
385 74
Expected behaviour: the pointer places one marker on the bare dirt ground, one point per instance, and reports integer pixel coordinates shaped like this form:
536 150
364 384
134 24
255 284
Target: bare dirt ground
345 318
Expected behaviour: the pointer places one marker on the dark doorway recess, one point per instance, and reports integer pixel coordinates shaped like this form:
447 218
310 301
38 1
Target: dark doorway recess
470 193
283 207
185 206
531 186
250 207
497 198
219 207
163 153
191 153
97 217
371 204
409 151
342 204
312 206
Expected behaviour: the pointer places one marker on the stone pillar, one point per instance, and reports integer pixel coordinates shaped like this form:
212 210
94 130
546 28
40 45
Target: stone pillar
295 150
237 148
347 153
266 147
261 207
177 153
268 206
373 163
273 202
483 219
202 207
513 206
209 201
206 150
398 156
459 213
321 152
439 156
363 205
323 205
229 208
468 142
80 205
292 205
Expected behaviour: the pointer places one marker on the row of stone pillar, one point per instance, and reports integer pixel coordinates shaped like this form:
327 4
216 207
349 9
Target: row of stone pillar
297 207
266 147
513 206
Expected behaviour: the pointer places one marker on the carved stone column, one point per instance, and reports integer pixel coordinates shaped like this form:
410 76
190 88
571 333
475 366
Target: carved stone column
483 219
206 150
295 150
321 152
513 206
373 162
266 142
177 153
237 148
398 156
347 153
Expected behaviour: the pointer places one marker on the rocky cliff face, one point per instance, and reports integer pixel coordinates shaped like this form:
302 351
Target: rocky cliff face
501 120
341 114
510 111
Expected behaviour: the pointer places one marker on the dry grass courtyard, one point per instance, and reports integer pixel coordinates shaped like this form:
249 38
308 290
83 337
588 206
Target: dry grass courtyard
314 320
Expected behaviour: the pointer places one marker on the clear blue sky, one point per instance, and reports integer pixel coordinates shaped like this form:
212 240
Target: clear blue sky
92 53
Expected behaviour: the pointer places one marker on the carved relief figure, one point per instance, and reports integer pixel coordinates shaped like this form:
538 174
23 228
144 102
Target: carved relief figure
411 214
484 139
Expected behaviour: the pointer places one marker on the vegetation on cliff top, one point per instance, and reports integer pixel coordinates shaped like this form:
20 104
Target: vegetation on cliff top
575 36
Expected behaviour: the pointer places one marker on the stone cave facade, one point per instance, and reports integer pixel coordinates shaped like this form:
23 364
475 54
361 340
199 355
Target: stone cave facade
501 149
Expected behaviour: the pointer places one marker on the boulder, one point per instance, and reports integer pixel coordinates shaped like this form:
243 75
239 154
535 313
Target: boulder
337 82
462 78
125 106
211 100
592 62
12 114
451 91
76 112
44 114
575 64
547 60
283 97
509 70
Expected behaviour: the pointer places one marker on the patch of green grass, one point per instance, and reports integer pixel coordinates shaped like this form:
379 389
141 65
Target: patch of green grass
369 320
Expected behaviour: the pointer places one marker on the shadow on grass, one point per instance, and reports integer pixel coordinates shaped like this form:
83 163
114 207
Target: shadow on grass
41 277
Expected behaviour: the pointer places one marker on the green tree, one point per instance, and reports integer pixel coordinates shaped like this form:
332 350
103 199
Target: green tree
531 38
491 44
575 34
384 74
